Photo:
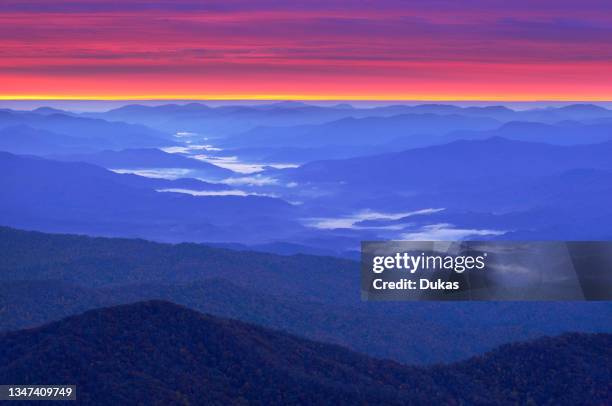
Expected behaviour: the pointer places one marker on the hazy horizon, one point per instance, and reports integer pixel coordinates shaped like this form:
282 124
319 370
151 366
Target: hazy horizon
91 105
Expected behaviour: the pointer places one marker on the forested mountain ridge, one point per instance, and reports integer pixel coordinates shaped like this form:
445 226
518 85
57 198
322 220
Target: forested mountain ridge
156 351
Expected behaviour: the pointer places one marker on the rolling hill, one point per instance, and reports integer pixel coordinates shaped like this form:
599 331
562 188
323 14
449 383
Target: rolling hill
45 277
160 352
358 131
98 133
561 133
443 164
84 198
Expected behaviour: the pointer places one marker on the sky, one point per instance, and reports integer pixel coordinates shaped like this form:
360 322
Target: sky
307 50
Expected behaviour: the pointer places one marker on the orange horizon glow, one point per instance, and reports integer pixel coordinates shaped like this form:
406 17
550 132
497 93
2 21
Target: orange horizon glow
298 97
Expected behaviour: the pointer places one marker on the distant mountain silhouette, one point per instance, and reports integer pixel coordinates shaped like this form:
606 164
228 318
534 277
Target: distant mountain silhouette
360 131
492 158
216 122
50 110
97 133
561 133
580 111
425 125
159 352
282 105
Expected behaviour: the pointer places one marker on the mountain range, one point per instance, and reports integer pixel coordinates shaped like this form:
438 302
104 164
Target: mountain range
267 254
490 158
46 277
222 121
156 351
84 198
359 131
525 189
91 133
352 137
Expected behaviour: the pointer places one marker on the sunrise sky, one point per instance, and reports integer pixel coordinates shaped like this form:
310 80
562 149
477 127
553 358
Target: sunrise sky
333 49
